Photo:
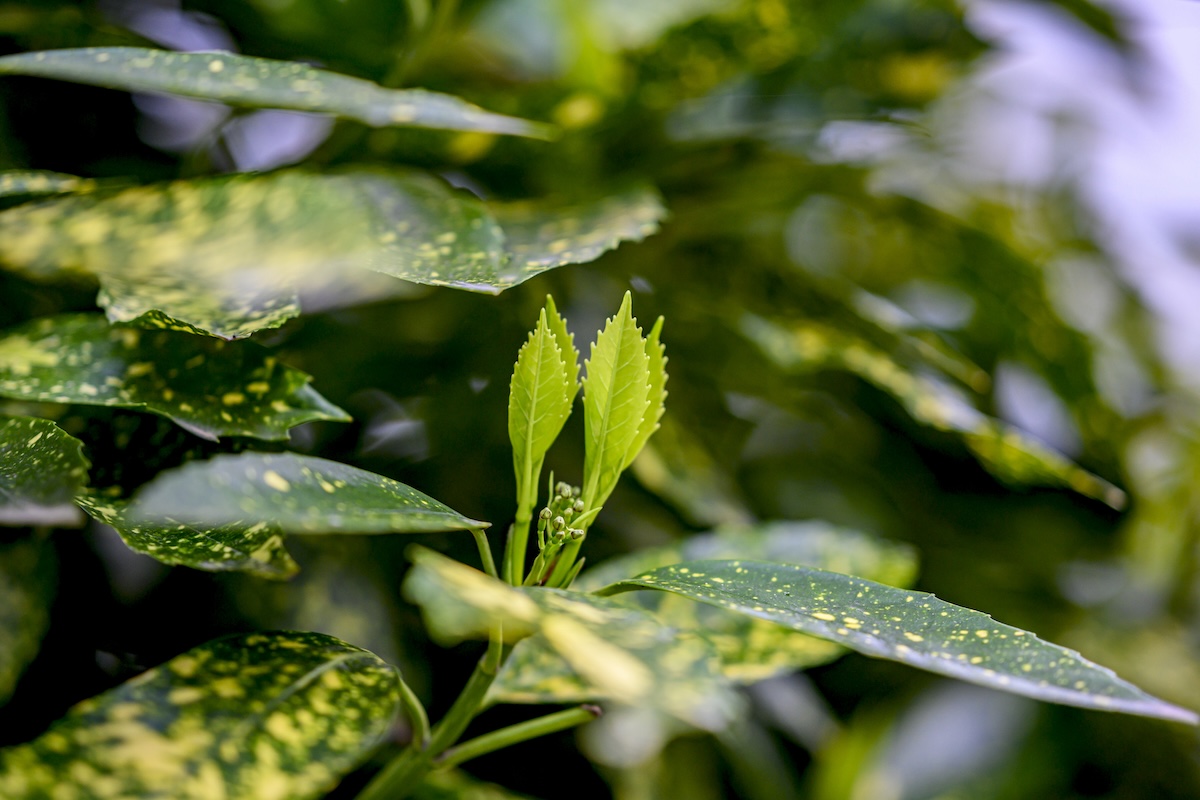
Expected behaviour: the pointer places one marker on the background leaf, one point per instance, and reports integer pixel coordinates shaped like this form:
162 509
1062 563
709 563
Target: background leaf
263 83
30 182
247 716
41 467
206 386
28 574
910 627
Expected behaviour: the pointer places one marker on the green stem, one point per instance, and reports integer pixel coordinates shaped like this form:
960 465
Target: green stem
485 552
416 715
515 734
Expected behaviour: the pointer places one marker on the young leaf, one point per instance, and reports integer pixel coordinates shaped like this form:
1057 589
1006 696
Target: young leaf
264 83
231 512
28 572
247 716
618 653
32 182
910 627
657 395
41 467
1003 450
204 385
616 393
566 343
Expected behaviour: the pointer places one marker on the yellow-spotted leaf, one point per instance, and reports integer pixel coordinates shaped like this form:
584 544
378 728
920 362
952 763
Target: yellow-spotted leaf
42 468
455 784
913 628
264 83
753 649
616 396
1004 451
206 386
33 182
28 572
231 512
609 650
245 717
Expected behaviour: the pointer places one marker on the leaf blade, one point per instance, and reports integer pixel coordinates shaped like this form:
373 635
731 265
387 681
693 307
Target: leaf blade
656 394
42 468
913 628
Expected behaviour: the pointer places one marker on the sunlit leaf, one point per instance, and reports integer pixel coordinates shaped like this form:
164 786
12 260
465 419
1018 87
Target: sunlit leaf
263 83
231 512
32 182
565 341
27 580
910 627
616 393
1003 450
207 386
42 467
244 717
656 395
610 651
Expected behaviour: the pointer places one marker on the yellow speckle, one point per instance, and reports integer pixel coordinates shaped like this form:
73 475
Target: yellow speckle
276 481
981 634
258 387
184 695
184 666
976 659
233 398
1026 667
822 615
912 637
215 66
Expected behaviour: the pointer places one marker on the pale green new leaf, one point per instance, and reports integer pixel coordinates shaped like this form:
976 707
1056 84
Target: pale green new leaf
206 386
245 717
539 402
33 182
231 512
264 83
566 343
913 628
609 650
616 393
1002 449
28 571
657 394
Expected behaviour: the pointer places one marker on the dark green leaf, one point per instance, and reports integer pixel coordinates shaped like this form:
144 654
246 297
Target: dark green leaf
263 83
250 716
910 627
27 580
41 467
607 650
457 785
207 386
32 182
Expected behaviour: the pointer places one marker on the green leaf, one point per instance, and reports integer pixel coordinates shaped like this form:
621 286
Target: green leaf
264 83
616 392
455 784
231 512
32 182
566 343
657 394
41 467
244 717
539 402
609 650
28 572
1003 450
913 628
206 386
540 235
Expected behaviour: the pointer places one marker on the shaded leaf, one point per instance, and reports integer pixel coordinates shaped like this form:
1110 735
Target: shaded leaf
231 512
209 387
28 571
913 628
455 784
248 716
610 651
31 182
615 398
1004 451
42 467
540 236
263 83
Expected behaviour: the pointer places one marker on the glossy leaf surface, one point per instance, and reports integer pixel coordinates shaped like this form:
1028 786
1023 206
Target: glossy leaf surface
209 387
245 717
611 651
263 83
910 627
27 581
41 465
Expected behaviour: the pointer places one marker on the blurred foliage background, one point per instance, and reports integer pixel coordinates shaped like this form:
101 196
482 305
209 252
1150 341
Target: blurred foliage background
843 281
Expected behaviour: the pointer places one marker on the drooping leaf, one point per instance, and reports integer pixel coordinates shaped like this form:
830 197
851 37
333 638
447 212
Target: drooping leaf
209 387
28 571
455 784
42 468
231 512
1003 450
32 182
910 627
749 649
264 83
540 236
244 717
610 651
616 393
539 402
657 394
